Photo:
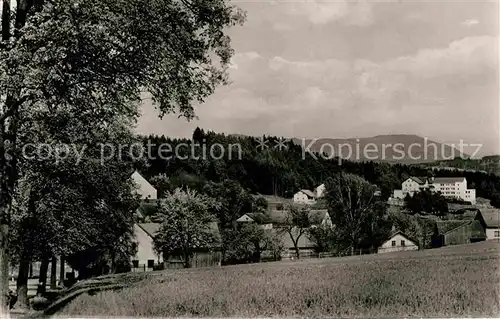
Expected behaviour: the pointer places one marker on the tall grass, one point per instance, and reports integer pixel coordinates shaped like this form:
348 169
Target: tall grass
459 284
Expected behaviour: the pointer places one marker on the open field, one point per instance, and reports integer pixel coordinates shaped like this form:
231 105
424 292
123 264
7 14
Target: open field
453 281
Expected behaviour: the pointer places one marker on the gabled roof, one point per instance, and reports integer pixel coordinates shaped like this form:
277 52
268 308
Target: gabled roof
398 232
446 226
259 218
420 180
490 217
308 193
150 228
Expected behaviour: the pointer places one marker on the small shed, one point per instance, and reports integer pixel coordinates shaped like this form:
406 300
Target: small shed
398 241
457 232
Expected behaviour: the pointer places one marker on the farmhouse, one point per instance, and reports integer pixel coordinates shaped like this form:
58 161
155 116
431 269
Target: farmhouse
489 218
398 241
304 196
452 187
146 258
457 232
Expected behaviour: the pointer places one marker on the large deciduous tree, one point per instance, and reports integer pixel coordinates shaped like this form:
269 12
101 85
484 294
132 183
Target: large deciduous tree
186 224
99 56
352 203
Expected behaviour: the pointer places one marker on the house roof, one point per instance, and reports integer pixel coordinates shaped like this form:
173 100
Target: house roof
448 180
457 207
446 226
150 228
398 232
420 180
490 217
308 192
259 218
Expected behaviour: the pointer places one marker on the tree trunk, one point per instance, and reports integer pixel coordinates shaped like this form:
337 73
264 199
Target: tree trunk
187 260
4 270
62 272
352 250
22 282
297 252
53 273
42 281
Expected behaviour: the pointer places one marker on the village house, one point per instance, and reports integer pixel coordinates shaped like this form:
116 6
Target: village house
147 259
398 241
490 219
62 269
452 187
304 196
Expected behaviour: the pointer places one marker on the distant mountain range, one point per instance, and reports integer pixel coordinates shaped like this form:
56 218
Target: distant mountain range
401 148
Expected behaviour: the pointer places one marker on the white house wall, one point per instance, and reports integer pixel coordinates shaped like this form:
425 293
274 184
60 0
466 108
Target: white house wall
145 189
145 247
387 245
492 233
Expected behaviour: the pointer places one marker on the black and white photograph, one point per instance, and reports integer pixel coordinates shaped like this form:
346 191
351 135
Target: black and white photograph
249 159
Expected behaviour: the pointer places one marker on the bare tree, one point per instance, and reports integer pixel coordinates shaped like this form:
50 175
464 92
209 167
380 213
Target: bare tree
296 224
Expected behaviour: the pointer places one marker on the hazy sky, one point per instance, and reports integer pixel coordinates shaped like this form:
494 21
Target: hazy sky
357 69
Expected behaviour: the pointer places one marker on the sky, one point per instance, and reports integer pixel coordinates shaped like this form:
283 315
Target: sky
341 69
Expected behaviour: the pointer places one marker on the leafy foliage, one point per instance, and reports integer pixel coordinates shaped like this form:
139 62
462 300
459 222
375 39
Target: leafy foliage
186 221
353 206
427 202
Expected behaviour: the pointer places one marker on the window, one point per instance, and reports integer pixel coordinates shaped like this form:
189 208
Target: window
151 263
135 263
393 243
402 243
497 233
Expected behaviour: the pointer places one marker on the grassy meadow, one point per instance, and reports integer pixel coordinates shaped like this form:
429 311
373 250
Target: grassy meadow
453 281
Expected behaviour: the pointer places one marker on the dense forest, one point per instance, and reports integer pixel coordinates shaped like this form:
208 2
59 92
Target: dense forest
282 171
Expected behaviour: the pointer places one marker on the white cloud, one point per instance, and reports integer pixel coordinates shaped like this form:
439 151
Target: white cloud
344 11
464 56
470 22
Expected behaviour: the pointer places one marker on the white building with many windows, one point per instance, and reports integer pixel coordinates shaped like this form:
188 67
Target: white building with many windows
453 187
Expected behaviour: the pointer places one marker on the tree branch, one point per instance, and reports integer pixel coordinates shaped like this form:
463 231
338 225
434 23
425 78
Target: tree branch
12 108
